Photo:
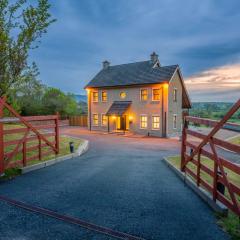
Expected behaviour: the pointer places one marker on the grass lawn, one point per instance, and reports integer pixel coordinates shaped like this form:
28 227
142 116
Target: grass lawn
64 147
231 223
236 140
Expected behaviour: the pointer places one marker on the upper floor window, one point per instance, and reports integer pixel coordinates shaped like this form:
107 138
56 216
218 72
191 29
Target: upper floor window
104 96
95 119
156 94
143 121
95 96
175 95
143 94
155 122
123 95
104 120
175 121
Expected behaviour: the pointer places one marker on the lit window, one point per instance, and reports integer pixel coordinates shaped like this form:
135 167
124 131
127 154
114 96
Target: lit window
95 96
123 95
104 96
95 119
144 94
174 121
104 120
175 95
143 121
156 94
155 122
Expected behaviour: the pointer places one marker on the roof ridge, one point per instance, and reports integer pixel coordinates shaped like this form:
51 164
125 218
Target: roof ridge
122 64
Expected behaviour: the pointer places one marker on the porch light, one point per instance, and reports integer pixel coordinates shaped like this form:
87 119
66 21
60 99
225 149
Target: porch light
165 85
130 119
114 117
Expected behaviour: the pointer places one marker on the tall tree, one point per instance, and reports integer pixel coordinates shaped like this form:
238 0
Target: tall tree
21 28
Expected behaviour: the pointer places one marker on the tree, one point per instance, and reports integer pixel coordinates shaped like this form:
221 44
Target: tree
21 28
55 100
29 95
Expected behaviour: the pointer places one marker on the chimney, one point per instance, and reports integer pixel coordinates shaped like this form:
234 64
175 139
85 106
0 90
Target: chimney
106 64
154 57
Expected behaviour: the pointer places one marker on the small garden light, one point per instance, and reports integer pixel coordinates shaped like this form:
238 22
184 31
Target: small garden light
71 147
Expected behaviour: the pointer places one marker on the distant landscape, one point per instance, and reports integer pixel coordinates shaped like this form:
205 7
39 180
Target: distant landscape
213 110
80 98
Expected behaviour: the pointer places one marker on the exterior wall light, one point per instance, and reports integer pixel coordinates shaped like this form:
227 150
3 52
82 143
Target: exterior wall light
130 119
114 117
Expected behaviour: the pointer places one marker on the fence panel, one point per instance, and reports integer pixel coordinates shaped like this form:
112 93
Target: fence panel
78 121
212 170
25 139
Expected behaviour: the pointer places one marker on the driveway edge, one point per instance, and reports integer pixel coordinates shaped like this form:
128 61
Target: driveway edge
80 151
204 195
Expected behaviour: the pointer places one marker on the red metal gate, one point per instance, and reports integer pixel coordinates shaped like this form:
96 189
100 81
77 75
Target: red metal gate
25 139
196 144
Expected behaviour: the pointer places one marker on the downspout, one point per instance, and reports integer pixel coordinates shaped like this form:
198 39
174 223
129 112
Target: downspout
89 110
163 116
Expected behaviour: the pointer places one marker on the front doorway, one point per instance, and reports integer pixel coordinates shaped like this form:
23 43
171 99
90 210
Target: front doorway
121 123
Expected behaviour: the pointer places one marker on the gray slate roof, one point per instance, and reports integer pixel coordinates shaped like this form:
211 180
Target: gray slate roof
118 108
132 74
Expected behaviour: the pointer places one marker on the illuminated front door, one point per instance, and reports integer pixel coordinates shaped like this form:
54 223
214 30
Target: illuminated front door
121 123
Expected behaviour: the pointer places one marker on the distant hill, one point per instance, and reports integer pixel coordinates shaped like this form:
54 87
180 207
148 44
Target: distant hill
80 98
214 110
215 106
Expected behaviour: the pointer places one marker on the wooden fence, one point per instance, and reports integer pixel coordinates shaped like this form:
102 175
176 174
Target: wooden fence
81 121
216 173
22 141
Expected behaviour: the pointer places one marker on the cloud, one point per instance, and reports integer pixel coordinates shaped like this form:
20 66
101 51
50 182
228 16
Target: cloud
216 84
198 36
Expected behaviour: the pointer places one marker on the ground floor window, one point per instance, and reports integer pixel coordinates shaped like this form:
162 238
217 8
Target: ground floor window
104 120
175 121
95 119
143 121
155 122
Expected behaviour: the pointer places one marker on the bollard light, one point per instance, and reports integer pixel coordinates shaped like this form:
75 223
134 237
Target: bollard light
71 147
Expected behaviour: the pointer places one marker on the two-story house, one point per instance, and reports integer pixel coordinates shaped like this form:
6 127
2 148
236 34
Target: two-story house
142 97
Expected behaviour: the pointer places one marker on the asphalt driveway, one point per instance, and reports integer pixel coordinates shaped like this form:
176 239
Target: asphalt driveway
120 183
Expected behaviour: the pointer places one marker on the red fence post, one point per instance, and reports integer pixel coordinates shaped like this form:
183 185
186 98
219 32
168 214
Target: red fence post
57 133
199 168
39 148
184 138
1 141
24 154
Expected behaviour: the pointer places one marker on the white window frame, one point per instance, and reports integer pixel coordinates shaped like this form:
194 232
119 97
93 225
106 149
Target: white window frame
93 96
156 115
93 119
174 115
140 122
175 95
153 95
141 94
102 95
102 120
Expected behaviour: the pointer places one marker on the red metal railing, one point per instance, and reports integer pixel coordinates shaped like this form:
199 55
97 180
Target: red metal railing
196 144
18 142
